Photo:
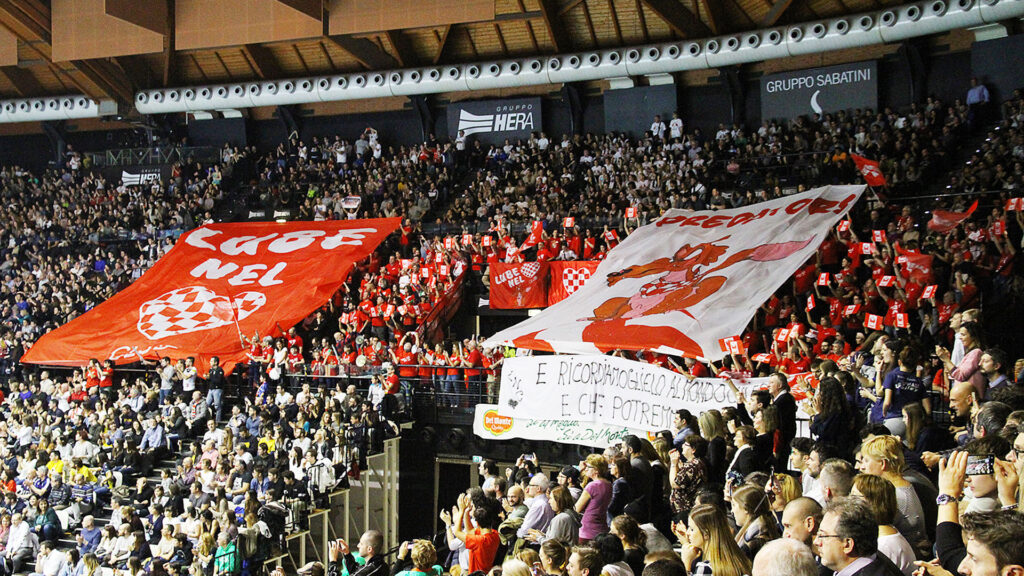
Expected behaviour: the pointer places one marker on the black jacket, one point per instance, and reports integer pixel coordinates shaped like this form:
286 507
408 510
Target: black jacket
880 566
785 406
375 566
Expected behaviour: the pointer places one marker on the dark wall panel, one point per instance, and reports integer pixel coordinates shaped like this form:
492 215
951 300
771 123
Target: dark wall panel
216 131
949 76
632 110
997 63
705 107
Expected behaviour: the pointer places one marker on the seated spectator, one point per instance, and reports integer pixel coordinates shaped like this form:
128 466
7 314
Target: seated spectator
848 540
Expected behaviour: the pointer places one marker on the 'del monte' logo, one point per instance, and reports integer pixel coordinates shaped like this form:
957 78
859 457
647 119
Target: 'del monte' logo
497 424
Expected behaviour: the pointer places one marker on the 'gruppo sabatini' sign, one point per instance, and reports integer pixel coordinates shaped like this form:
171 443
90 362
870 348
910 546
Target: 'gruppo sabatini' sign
819 90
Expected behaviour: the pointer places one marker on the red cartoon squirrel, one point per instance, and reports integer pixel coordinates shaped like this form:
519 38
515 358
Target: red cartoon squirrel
683 281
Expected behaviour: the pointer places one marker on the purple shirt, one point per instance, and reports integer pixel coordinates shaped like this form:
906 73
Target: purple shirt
595 517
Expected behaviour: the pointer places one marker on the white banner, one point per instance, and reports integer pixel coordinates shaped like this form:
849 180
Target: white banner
608 390
490 423
688 280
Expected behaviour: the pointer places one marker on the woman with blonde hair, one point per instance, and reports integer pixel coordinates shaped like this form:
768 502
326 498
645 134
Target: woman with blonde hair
708 545
515 568
883 456
712 429
880 495
782 490
593 502
423 557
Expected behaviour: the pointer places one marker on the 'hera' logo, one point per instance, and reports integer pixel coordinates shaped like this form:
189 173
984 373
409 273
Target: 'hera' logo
474 124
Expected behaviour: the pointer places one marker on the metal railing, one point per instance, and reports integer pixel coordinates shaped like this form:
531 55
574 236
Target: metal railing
155 156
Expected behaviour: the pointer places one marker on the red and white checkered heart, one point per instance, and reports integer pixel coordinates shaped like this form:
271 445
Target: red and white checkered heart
530 269
573 278
193 309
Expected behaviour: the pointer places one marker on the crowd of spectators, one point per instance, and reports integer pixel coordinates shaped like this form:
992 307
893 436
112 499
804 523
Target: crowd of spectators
741 490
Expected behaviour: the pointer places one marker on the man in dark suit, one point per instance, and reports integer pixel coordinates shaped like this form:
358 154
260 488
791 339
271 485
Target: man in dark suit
848 540
785 407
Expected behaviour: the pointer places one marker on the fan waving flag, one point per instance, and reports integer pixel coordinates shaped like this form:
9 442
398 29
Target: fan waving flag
217 281
689 279
870 170
944 221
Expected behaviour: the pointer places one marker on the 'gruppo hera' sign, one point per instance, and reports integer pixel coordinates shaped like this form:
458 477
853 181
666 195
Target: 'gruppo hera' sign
492 121
819 90
607 390
491 424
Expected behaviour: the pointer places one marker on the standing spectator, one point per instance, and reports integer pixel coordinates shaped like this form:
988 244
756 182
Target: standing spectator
658 128
593 502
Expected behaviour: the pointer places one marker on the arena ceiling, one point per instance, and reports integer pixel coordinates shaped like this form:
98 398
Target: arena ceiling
111 48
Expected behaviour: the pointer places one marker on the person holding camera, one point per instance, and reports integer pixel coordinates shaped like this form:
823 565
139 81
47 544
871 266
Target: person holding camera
370 548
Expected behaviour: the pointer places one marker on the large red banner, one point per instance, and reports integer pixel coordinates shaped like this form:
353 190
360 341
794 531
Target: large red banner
568 277
217 282
522 285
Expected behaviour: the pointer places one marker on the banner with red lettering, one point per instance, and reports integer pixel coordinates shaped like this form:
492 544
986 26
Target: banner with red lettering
680 284
520 285
568 277
217 281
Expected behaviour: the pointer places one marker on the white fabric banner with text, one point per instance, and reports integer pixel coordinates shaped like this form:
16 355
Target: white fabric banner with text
683 283
609 390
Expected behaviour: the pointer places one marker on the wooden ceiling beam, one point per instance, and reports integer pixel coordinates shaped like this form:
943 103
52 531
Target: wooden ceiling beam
30 20
775 13
404 51
642 19
27 19
615 22
312 8
366 51
559 36
151 15
262 61
679 18
137 71
110 80
717 21
442 41
25 84
569 6
168 55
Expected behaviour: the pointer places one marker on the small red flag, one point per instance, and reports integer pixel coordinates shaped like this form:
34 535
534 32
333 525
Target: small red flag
929 291
569 222
811 303
873 321
823 279
902 320
887 281
870 170
631 212
878 235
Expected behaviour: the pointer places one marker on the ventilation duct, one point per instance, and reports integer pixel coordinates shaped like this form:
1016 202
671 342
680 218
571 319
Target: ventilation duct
888 25
993 11
56 108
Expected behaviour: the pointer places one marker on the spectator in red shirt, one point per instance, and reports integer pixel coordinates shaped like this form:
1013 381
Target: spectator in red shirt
473 360
481 542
